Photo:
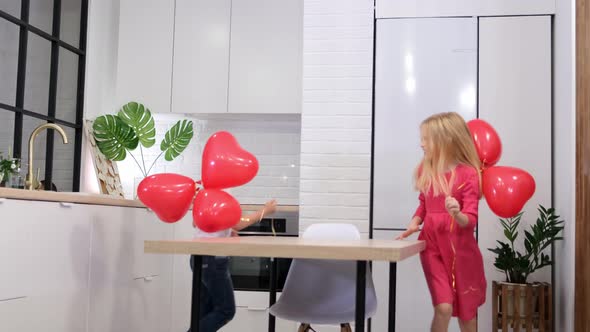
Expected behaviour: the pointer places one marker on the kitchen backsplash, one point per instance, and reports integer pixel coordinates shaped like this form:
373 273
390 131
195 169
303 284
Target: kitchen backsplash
273 139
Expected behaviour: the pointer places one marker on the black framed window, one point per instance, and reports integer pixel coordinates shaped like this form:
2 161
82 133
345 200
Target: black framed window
42 67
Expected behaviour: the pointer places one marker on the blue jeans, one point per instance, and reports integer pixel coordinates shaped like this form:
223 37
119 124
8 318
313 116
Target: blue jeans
218 305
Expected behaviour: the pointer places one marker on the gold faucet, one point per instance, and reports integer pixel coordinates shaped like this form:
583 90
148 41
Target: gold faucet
31 182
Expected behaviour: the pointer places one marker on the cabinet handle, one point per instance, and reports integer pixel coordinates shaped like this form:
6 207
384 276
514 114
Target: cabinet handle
13 298
147 278
256 308
66 204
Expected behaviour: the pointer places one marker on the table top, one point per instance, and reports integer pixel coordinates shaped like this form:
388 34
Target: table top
290 247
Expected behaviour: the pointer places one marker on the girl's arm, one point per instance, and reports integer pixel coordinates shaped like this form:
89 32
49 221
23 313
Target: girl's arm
254 217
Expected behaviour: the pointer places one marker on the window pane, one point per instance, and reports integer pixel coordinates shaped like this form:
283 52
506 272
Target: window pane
70 21
37 77
8 61
6 132
67 84
12 7
63 160
29 124
41 14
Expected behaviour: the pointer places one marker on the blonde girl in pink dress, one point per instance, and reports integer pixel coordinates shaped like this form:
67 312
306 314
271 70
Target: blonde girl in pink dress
449 183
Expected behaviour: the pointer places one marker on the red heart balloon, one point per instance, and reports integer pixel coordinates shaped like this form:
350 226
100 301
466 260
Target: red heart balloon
225 163
487 142
215 210
507 189
168 195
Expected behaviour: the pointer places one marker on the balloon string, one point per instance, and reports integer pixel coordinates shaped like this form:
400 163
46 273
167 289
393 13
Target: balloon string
453 245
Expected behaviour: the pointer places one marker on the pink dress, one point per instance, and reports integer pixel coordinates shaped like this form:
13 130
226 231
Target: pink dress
452 262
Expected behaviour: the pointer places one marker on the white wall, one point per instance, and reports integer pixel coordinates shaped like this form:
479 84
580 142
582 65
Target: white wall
336 114
101 73
564 160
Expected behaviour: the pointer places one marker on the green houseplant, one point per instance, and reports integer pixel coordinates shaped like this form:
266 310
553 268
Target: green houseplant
515 300
8 167
132 127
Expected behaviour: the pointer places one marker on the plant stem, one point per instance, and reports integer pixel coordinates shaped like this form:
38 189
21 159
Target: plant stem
158 157
138 165
142 161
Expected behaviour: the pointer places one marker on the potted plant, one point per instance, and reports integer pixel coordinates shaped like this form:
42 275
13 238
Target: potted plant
133 126
8 167
515 301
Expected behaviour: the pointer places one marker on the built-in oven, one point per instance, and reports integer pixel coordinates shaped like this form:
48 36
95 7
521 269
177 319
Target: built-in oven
253 273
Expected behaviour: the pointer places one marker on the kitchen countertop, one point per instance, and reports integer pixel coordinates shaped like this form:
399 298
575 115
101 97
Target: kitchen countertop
98 199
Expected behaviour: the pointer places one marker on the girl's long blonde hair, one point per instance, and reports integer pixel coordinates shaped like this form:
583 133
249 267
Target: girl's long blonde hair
448 141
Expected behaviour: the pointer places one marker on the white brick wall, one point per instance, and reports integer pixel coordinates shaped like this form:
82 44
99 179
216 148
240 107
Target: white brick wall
273 139
336 116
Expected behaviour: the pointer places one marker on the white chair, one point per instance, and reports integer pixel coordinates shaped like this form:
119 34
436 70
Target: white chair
324 291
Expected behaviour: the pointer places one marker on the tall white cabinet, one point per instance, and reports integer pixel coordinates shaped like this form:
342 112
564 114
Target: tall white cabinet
494 68
422 67
515 97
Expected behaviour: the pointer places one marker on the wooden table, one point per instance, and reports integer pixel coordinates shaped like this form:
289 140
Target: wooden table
361 251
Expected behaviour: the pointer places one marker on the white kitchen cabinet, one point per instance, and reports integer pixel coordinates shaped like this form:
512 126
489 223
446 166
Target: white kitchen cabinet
201 56
414 310
45 261
129 290
15 315
144 60
265 68
436 8
422 67
515 98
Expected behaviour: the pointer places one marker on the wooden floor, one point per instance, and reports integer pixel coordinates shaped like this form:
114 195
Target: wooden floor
582 300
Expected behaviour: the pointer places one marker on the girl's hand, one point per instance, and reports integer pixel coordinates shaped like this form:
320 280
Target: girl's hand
413 227
452 206
270 207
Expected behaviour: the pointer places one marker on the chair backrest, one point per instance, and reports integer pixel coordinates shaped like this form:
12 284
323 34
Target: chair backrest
323 291
332 232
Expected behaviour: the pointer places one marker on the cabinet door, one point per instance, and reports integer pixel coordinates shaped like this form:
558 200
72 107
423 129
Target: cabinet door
266 56
144 69
129 290
515 98
201 56
436 8
182 278
423 66
46 265
414 310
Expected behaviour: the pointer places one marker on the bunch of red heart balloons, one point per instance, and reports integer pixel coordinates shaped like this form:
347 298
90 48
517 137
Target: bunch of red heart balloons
224 165
506 189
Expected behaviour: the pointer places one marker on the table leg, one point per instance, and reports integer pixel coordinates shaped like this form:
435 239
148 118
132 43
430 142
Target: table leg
273 293
392 295
361 284
196 297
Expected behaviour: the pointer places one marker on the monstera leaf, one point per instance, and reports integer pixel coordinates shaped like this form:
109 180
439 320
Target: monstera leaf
177 139
113 137
140 119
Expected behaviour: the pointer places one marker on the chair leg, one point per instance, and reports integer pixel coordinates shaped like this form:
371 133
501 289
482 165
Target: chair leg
305 327
345 327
